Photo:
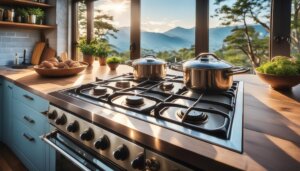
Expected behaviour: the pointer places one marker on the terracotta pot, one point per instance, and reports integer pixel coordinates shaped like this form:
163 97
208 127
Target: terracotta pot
102 61
113 66
280 82
88 59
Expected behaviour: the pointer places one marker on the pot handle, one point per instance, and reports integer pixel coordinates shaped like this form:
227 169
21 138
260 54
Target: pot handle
201 55
152 56
176 67
237 70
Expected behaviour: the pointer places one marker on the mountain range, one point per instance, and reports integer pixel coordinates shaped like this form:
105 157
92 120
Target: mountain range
174 39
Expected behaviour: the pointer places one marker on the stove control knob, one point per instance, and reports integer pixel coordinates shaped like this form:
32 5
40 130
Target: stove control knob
102 143
52 115
121 153
61 120
87 135
139 162
73 127
152 164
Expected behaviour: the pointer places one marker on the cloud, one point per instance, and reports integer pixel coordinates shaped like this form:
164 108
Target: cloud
113 6
159 26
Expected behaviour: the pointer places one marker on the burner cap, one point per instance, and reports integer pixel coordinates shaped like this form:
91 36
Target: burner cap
100 90
134 100
166 86
123 84
193 117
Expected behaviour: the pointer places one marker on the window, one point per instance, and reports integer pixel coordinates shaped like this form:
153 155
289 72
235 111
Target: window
112 22
295 29
239 31
168 29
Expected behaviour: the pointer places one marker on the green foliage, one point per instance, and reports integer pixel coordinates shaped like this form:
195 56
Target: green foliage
36 11
102 49
102 25
295 29
113 59
281 66
21 12
244 38
87 49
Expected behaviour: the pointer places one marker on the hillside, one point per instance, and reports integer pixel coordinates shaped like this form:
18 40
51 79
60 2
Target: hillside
174 39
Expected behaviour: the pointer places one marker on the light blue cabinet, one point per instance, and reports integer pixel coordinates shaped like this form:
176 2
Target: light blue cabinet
22 123
7 117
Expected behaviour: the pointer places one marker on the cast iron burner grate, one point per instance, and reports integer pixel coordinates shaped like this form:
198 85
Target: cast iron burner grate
165 100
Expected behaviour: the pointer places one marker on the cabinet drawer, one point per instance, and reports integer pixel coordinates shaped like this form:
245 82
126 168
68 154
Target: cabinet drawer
33 119
34 101
30 145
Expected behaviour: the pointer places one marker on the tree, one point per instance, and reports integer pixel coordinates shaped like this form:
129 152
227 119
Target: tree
245 38
103 26
82 20
295 28
239 40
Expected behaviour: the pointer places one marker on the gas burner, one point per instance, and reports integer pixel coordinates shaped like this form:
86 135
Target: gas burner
193 117
166 86
134 101
99 91
123 84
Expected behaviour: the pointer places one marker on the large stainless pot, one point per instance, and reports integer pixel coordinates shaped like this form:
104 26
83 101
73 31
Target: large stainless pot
149 67
208 73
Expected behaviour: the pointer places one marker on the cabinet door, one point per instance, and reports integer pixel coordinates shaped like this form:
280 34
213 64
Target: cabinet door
29 147
7 113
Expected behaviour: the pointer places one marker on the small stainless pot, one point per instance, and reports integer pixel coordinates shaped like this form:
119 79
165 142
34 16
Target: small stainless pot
208 73
149 67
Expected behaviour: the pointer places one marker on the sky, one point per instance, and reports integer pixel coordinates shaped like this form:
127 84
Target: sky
158 15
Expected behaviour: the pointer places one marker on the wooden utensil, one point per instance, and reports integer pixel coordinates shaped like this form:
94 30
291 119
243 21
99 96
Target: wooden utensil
37 52
47 54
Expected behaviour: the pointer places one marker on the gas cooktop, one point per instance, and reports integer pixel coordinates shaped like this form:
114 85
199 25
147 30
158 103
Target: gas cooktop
212 117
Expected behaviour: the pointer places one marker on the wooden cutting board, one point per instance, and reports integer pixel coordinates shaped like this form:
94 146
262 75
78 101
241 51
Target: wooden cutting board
37 52
47 54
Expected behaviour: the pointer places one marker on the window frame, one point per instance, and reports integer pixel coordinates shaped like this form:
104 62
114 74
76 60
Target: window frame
280 24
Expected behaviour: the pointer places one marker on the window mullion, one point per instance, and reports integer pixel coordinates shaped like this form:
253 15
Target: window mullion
202 26
280 28
135 29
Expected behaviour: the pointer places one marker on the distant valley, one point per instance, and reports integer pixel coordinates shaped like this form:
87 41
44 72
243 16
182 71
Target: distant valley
174 39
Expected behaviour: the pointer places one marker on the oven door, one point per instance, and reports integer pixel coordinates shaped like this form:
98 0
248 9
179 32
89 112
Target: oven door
70 156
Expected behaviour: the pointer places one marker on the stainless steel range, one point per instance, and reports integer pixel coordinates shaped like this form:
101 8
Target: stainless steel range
212 117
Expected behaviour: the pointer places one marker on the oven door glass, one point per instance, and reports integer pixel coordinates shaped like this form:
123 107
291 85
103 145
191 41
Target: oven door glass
70 156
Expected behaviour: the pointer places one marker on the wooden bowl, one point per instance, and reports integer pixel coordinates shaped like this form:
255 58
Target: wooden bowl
279 82
60 72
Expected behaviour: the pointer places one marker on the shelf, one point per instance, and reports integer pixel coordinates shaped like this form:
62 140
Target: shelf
25 3
26 25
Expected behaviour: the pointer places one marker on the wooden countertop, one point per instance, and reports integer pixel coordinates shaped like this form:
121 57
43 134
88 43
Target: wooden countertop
271 119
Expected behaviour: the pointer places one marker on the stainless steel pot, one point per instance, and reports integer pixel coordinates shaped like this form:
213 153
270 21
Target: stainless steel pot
149 67
209 73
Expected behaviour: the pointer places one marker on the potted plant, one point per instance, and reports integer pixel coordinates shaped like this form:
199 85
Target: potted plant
40 16
113 62
280 73
22 15
101 52
88 50
34 13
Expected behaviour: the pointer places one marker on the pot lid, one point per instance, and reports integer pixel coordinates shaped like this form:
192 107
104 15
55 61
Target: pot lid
148 60
207 61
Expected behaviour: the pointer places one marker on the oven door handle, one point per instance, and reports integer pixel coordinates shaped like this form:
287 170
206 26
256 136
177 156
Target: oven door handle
68 156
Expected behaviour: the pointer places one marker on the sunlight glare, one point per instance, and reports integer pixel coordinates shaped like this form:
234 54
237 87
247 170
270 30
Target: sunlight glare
117 7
